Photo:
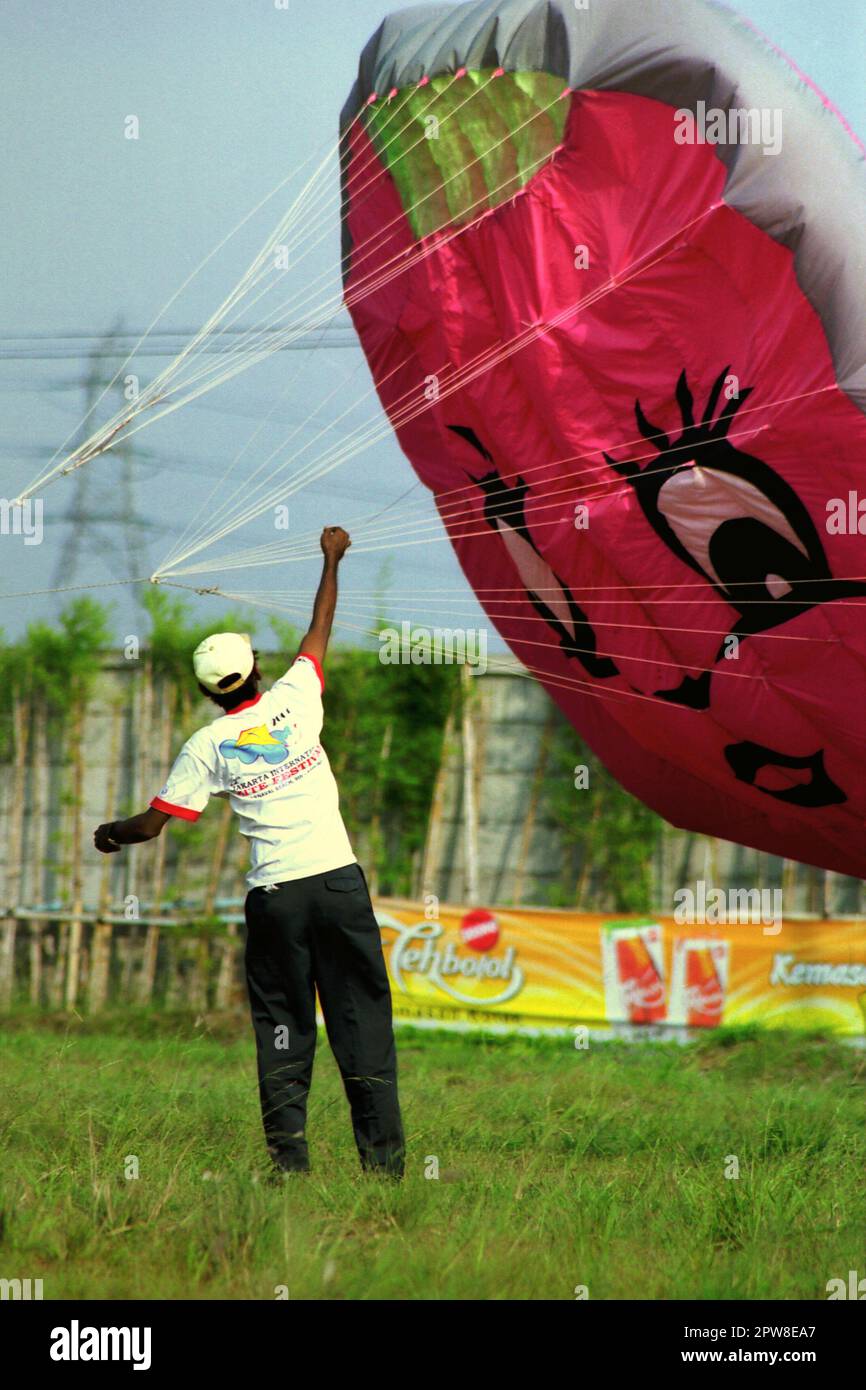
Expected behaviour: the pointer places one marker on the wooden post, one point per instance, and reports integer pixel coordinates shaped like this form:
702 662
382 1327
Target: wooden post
167 705
789 885
228 946
150 950
137 866
226 976
532 809
14 850
50 953
711 861
685 865
660 872
199 976
826 893
100 961
218 859
37 859
586 867
376 817
147 974
141 764
36 963
429 876
58 975
73 966
7 961
470 810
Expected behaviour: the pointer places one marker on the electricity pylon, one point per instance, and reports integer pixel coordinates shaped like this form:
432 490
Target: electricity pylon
110 523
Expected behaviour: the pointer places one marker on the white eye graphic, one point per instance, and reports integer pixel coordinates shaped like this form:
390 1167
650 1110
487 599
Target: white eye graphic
697 501
778 586
536 574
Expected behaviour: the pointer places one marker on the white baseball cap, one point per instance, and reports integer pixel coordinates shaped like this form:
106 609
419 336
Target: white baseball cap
224 661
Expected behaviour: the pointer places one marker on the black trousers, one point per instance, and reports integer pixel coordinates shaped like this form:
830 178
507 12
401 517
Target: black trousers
321 933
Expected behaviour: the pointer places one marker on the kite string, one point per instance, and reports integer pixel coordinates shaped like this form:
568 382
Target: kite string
549 680
196 542
50 472
470 489
351 603
220 483
240 359
455 510
465 375
108 434
88 449
369 434
260 330
192 532
264 555
244 349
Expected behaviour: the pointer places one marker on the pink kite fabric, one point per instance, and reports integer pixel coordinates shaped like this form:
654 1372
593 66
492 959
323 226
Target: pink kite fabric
699 623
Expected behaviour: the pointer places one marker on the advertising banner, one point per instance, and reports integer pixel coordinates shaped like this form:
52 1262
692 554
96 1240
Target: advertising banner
551 969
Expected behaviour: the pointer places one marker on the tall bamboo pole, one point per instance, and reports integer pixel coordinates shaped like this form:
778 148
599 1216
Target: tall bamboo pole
57 973
76 927
141 762
228 962
789 885
21 719
147 975
586 867
39 838
532 809
429 875
228 971
101 940
141 782
167 705
376 817
37 858
228 946
470 810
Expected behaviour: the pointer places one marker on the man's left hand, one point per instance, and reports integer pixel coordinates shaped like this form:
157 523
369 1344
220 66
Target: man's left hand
103 841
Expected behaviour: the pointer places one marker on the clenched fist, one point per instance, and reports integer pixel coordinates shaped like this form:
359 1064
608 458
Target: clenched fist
335 542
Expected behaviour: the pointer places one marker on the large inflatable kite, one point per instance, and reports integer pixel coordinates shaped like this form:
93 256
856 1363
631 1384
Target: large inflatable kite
633 298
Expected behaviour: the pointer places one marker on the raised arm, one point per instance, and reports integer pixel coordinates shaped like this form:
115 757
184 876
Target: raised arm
334 542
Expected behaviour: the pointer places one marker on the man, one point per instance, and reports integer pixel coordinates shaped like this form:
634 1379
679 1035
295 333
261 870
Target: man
310 922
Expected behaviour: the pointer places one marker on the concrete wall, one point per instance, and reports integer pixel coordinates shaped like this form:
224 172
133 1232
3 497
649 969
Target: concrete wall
519 853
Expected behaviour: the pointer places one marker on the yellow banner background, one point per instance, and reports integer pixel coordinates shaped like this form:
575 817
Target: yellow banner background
549 968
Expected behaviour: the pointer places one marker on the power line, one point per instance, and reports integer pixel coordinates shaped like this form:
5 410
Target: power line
62 347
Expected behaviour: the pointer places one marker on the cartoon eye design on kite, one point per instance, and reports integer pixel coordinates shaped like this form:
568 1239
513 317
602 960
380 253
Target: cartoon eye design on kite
727 514
736 535
505 512
734 520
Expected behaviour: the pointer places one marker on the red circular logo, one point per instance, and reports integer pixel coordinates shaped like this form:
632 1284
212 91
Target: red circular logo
479 929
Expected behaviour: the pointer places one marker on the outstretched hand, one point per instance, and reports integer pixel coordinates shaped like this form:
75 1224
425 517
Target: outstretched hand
335 542
103 841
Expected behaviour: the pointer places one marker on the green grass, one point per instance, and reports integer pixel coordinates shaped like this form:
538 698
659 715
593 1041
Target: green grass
558 1168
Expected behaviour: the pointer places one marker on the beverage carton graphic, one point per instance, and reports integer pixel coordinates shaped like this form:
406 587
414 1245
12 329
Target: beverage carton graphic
699 981
633 969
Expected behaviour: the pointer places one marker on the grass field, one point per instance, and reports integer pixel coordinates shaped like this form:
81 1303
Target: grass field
557 1168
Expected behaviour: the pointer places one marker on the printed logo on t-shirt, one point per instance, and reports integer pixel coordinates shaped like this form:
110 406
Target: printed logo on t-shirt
252 744
262 785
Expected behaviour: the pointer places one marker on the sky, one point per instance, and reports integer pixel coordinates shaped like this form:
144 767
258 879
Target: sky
98 230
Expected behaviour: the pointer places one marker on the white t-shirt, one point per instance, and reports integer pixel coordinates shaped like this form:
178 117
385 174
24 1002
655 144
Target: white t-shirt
267 759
